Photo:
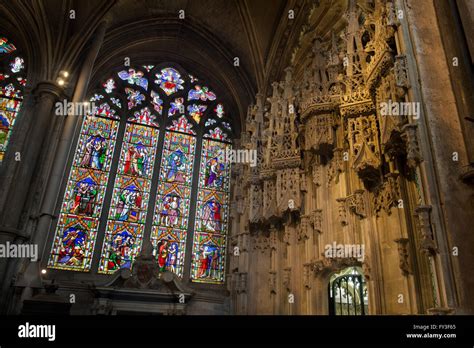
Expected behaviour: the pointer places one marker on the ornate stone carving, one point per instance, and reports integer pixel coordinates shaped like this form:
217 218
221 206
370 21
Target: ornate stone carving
377 25
255 211
387 93
387 195
357 103
357 203
303 232
288 190
326 266
317 170
335 166
404 256
320 134
145 273
341 211
428 244
269 199
261 243
413 149
317 220
364 146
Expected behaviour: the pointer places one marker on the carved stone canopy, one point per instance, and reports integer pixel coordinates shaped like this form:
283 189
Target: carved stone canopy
326 266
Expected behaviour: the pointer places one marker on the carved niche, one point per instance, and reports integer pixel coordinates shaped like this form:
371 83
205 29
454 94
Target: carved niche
364 146
317 220
342 212
303 232
269 193
390 125
320 133
288 191
256 198
357 203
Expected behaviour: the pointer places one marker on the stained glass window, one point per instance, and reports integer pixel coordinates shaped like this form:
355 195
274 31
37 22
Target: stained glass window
153 190
12 81
131 193
170 222
78 224
209 244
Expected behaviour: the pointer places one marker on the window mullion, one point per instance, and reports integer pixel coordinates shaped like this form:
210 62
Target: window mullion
192 208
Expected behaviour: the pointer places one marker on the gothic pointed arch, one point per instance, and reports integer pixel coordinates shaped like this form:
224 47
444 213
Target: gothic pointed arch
151 162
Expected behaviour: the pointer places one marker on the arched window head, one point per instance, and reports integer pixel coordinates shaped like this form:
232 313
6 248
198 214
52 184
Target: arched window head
151 163
12 83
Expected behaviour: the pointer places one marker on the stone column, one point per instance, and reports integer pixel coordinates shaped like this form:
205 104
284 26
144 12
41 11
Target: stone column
58 170
65 145
45 94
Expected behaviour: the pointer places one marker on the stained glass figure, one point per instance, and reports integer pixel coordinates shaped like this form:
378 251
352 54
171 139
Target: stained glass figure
17 65
170 221
210 122
11 92
5 46
82 204
134 98
216 133
201 93
157 102
109 85
97 97
176 107
227 125
196 111
134 78
129 207
127 215
169 80
208 258
219 110
116 102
